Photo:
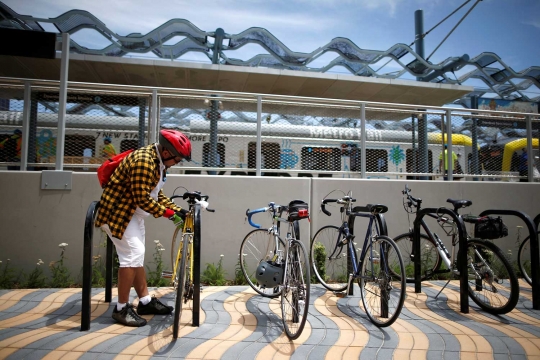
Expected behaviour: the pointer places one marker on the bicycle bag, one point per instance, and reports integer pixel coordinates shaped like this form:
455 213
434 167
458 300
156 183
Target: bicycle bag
491 228
298 209
106 169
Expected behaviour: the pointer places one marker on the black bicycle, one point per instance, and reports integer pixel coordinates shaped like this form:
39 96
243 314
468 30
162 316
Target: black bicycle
493 284
379 270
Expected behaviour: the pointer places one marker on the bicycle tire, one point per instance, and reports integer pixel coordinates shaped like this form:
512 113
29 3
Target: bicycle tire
387 287
431 259
295 290
257 246
333 273
184 285
524 259
499 299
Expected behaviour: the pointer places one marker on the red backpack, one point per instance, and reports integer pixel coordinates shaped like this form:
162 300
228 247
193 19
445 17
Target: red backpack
106 169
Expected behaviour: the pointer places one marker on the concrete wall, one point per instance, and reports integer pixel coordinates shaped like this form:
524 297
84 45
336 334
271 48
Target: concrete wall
34 222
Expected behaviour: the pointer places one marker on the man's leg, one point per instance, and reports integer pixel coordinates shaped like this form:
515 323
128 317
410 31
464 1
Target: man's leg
140 282
126 278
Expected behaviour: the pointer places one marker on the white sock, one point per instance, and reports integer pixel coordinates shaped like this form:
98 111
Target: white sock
145 299
120 306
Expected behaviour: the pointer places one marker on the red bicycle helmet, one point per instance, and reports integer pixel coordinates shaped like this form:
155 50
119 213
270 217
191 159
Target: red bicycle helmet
176 142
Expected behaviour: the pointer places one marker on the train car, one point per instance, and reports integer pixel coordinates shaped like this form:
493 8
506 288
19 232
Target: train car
287 150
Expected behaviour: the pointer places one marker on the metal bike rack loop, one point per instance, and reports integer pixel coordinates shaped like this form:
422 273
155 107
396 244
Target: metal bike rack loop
461 256
535 261
88 249
196 265
383 229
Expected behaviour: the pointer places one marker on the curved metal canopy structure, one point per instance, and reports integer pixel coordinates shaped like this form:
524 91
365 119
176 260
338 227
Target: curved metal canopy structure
499 78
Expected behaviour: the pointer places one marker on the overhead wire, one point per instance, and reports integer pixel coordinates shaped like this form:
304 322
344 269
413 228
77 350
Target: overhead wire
454 28
433 28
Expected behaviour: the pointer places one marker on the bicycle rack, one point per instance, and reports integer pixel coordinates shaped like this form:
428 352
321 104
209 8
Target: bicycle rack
87 266
462 254
381 223
535 261
196 266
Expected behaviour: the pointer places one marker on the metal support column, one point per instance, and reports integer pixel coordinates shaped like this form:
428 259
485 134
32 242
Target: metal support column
64 70
25 125
530 155
363 137
475 163
259 135
154 119
450 153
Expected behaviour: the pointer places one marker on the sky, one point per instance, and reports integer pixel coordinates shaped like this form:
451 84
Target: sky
511 29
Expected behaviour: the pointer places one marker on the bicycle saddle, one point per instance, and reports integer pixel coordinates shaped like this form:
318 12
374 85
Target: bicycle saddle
458 204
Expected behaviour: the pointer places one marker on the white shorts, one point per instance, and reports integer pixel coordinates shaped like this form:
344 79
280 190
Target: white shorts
131 248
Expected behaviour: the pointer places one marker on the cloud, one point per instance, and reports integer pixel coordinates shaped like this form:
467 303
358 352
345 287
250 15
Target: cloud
536 23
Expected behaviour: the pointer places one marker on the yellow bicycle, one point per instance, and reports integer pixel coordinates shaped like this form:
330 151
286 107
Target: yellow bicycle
182 259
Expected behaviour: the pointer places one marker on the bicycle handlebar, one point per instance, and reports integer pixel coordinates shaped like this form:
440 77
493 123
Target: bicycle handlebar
249 214
412 200
342 201
192 198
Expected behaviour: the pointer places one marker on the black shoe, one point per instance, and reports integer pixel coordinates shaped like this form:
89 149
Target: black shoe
127 316
154 307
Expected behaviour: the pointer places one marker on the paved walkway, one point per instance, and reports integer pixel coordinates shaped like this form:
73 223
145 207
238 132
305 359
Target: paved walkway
237 324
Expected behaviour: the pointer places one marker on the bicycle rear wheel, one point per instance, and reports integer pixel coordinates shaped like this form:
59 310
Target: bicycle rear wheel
295 290
328 261
430 260
184 283
382 289
493 285
258 245
524 259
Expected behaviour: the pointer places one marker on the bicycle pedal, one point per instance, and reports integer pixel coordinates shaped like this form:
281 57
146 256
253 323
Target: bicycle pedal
340 294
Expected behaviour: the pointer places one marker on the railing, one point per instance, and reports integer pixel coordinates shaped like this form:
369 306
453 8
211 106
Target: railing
296 137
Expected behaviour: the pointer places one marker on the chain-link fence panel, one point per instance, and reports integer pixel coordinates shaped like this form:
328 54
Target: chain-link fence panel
222 131
11 108
97 127
501 140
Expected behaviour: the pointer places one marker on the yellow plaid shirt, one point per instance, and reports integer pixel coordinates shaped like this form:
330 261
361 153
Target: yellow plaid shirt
129 187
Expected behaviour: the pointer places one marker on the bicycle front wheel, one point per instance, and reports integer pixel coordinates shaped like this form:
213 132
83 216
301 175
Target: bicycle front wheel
295 290
259 245
493 285
430 260
382 284
524 259
183 281
329 259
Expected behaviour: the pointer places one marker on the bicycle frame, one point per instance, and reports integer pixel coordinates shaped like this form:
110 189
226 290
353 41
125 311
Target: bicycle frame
187 231
357 265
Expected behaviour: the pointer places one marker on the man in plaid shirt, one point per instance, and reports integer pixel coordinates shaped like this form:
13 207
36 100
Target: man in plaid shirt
133 193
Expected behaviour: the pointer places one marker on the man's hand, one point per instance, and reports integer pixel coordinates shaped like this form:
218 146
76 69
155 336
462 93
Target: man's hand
177 220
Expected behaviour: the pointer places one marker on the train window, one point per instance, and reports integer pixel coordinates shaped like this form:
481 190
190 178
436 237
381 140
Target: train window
412 162
76 144
126 145
220 155
321 158
271 155
376 159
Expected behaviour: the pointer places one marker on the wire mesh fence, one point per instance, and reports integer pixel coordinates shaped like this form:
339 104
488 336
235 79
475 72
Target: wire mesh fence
298 136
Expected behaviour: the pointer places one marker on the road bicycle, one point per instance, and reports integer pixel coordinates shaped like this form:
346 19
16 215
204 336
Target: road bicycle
182 257
493 285
524 255
264 252
261 245
379 269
